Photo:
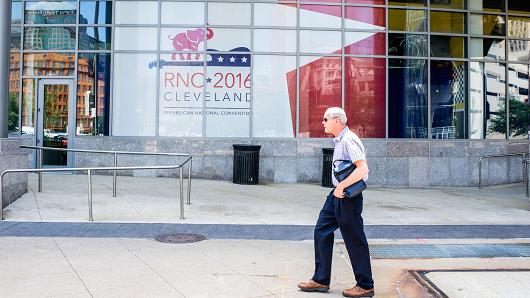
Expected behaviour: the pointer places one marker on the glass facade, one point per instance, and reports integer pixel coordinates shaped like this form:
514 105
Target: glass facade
417 69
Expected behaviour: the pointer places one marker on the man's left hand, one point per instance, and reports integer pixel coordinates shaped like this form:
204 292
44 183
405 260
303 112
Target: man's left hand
339 192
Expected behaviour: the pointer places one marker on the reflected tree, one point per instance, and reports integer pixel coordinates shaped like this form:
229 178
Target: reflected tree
519 119
12 121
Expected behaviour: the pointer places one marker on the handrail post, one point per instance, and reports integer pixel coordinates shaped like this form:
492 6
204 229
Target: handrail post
525 173
115 178
2 196
89 174
39 161
181 193
189 179
480 173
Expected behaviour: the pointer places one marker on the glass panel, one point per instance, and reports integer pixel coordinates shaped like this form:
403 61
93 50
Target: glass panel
14 91
322 1
181 97
50 12
48 64
487 107
134 95
93 94
487 5
95 38
487 48
407 20
407 105
135 38
377 2
136 12
189 13
272 14
519 50
518 6
448 99
408 2
368 15
447 22
518 85
320 42
412 45
227 95
320 88
320 16
16 36
229 39
284 40
49 38
487 25
29 98
364 103
519 27
448 46
16 13
455 4
184 39
365 43
95 12
55 123
274 96
223 13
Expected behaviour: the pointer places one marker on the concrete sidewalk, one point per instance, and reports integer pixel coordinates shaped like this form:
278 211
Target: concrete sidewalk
49 249
155 200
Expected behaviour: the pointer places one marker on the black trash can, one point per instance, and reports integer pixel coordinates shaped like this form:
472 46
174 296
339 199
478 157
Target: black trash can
246 164
327 164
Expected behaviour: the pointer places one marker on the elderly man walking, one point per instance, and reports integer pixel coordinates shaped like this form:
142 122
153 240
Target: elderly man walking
343 213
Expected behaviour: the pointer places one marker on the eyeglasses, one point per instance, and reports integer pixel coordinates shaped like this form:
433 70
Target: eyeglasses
325 119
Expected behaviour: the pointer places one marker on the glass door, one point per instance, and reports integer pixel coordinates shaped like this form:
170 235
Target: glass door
54 112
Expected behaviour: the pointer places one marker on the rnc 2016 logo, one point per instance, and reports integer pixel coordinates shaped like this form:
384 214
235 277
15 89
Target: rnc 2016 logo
183 79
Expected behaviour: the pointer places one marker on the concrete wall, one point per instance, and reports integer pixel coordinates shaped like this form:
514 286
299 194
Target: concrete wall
391 162
11 157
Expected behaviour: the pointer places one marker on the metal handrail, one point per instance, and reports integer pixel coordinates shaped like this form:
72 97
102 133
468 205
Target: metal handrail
115 168
523 154
89 175
115 153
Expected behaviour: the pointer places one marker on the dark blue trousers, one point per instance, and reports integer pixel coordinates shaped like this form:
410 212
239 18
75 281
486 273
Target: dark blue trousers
344 214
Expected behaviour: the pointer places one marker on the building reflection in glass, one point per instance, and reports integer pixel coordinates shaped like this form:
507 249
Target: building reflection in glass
48 64
320 88
93 94
407 104
448 99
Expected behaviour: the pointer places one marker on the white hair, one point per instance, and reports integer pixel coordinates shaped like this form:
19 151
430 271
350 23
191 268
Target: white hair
336 112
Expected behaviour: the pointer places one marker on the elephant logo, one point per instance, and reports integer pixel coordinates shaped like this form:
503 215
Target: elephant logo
189 41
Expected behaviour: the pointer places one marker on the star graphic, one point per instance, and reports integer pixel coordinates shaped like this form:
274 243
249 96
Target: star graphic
244 59
209 80
220 59
232 59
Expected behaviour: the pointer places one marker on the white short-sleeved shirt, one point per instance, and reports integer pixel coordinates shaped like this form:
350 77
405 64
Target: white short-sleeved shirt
348 146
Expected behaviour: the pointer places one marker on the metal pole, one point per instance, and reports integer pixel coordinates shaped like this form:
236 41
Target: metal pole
480 173
115 178
189 180
526 176
181 193
1 196
89 173
39 166
5 31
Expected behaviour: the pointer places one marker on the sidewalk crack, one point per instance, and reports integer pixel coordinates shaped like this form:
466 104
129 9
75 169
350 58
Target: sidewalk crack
72 266
150 268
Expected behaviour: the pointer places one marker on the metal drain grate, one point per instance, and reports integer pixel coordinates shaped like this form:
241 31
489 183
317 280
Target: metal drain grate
415 251
180 238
